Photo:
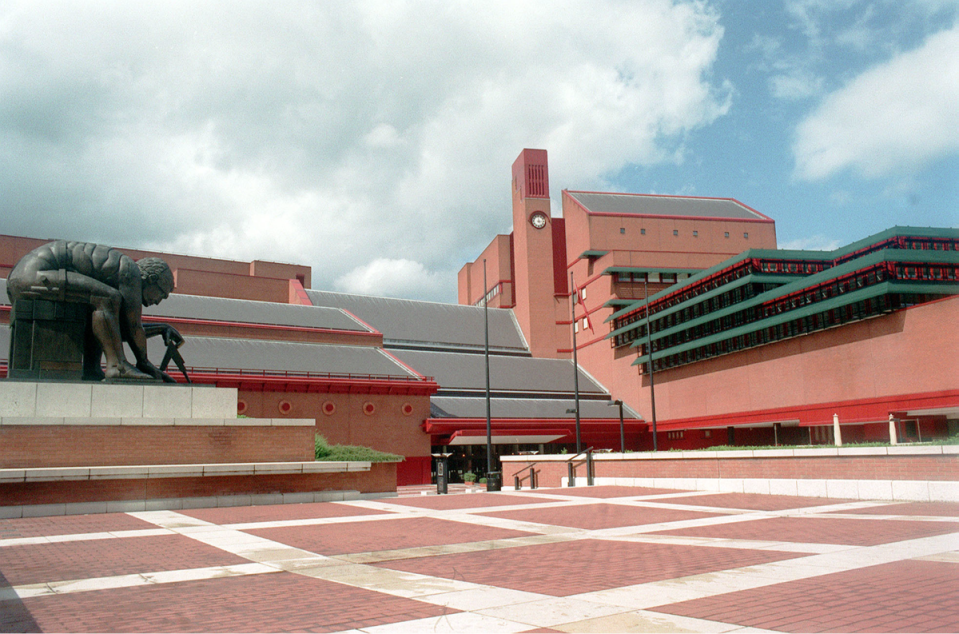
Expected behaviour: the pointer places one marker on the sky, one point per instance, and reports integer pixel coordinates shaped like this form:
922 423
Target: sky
372 140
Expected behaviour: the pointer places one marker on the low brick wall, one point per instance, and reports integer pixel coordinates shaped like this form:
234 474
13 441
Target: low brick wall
922 472
78 495
101 445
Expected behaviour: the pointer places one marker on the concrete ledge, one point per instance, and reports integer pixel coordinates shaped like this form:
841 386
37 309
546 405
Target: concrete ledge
898 450
51 474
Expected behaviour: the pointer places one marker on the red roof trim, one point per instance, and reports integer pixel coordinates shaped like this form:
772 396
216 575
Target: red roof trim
257 326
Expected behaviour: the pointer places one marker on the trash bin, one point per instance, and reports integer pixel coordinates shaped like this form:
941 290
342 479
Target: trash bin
442 473
494 481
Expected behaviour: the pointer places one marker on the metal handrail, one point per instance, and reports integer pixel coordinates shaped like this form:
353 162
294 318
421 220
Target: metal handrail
533 480
571 468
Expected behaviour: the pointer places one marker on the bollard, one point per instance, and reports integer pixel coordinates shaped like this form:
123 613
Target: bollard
533 480
516 482
589 468
571 473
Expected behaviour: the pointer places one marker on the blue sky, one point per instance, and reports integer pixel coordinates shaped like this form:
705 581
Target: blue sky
784 61
372 139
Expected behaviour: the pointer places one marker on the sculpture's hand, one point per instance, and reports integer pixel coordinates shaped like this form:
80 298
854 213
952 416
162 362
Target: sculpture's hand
171 335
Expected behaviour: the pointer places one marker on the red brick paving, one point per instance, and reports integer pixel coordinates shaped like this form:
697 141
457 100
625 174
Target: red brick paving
753 501
465 501
279 512
62 561
905 596
563 569
274 602
70 525
361 537
821 530
932 509
598 516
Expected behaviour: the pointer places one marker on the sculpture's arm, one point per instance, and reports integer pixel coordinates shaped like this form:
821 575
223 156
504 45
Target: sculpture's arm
132 319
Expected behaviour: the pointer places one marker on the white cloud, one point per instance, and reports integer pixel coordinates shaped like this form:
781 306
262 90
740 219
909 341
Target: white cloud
797 84
816 242
891 119
332 134
394 278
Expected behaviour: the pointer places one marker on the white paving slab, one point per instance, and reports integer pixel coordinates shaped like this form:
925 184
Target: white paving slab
552 611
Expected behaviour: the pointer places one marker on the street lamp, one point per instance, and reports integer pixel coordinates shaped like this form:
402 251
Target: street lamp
649 347
622 434
572 307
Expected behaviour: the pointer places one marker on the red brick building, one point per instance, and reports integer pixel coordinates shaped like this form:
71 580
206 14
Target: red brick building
752 345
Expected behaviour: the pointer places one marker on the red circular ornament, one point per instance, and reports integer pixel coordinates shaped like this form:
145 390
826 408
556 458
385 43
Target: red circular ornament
407 409
329 408
241 407
369 408
285 407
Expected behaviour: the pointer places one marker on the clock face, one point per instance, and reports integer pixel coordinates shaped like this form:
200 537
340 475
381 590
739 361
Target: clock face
538 220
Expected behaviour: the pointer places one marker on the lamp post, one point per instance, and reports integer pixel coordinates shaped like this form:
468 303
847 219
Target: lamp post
572 307
622 433
649 347
489 426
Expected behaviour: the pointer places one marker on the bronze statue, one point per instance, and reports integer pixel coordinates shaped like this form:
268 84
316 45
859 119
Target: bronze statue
114 287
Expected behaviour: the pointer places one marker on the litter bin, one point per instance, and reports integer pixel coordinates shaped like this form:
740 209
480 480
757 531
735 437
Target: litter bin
442 473
494 481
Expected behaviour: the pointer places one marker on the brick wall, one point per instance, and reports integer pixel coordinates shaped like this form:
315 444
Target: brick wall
381 478
909 467
87 445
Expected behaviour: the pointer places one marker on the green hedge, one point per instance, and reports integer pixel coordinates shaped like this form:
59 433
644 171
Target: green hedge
347 453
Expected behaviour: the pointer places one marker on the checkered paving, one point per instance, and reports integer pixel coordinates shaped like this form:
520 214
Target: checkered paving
572 560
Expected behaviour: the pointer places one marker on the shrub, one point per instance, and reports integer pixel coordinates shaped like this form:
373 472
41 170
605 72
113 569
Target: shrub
469 476
347 453
482 480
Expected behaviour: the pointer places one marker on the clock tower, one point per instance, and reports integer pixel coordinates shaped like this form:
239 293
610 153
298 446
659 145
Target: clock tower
537 298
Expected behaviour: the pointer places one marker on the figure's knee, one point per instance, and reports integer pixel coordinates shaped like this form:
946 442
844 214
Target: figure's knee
107 302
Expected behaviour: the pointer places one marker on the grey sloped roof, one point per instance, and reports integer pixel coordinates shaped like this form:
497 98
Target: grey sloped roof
463 407
269 356
463 370
651 205
404 320
280 356
243 311
252 312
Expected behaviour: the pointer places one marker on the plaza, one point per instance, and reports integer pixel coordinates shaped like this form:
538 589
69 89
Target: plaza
585 559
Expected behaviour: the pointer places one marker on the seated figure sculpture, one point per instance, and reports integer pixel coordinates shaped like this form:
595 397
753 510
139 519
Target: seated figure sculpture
115 287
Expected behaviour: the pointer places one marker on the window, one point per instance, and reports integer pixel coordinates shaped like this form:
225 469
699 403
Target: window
622 229
746 235
675 232
695 234
582 293
727 234
642 232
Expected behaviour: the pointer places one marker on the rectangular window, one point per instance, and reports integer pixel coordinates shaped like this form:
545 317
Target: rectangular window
695 234
675 232
746 235
727 234
642 232
622 229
